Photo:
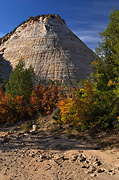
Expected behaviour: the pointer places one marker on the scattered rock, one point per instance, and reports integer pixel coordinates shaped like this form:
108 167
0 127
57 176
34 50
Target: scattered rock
43 157
35 169
93 175
34 128
87 161
91 169
82 158
58 163
60 157
85 166
111 172
100 170
97 163
74 157
32 155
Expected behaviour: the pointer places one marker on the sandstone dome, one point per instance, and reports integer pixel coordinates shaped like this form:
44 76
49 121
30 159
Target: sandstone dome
53 50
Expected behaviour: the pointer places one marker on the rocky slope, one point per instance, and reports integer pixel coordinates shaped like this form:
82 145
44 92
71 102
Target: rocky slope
46 43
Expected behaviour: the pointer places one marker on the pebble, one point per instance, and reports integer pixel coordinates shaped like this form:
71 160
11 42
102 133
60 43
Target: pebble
32 155
93 175
59 157
43 157
100 170
97 163
111 172
84 166
74 157
91 169
82 159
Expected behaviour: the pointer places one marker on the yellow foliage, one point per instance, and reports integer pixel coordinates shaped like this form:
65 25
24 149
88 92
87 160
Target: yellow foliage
67 109
73 109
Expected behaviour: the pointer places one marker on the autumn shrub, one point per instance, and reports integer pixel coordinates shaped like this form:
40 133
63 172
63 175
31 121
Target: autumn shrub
12 108
6 112
44 99
68 110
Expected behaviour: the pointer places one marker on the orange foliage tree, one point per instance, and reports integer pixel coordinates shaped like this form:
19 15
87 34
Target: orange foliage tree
6 113
11 108
44 99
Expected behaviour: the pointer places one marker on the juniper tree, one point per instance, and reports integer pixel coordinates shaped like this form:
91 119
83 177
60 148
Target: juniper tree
20 81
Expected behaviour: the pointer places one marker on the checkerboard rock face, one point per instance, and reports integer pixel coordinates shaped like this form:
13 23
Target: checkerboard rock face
52 49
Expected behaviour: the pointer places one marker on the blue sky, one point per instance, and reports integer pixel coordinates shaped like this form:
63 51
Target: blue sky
84 17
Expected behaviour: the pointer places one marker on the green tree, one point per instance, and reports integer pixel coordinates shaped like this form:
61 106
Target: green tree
21 81
0 70
107 72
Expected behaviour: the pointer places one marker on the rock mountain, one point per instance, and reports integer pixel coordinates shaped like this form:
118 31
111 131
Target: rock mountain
53 50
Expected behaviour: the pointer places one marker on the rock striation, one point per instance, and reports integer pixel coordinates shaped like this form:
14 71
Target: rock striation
53 50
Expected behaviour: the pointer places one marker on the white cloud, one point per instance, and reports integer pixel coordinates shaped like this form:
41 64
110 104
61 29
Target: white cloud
108 3
88 36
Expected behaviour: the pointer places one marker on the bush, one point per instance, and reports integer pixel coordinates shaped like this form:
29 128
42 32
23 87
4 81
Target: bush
21 81
44 98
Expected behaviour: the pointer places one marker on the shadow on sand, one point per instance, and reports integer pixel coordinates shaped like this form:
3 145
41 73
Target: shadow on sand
19 140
